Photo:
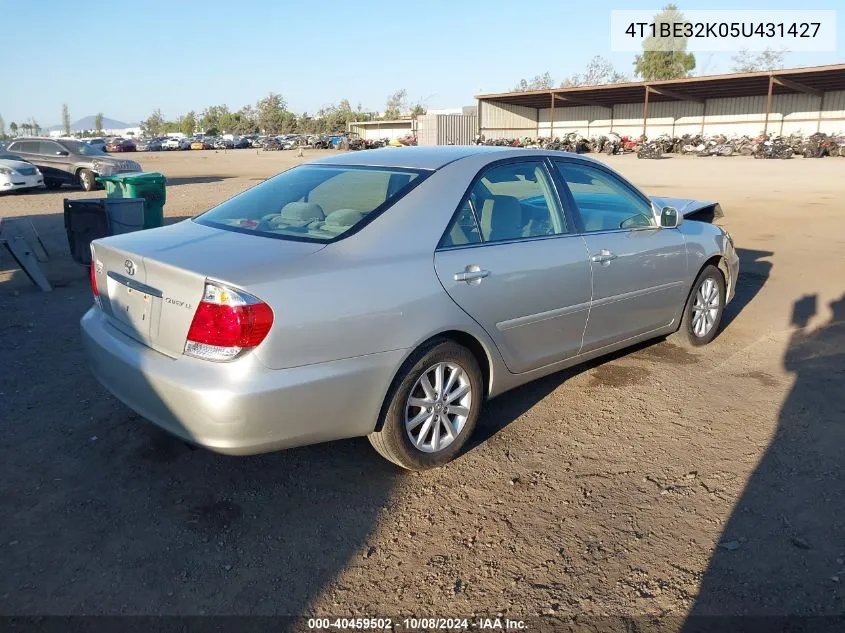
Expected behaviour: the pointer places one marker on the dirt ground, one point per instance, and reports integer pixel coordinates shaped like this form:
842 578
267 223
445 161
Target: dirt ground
654 484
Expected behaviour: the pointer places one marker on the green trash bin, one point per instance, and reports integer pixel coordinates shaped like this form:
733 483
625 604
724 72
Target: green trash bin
151 186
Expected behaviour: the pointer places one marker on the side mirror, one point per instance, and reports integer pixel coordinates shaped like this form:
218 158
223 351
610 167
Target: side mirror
670 218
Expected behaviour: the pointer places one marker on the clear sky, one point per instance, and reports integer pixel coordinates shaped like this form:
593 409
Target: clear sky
126 59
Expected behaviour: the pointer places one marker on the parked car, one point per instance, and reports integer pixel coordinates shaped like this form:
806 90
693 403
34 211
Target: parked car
242 143
185 144
17 174
149 145
259 141
318 141
121 145
271 144
200 144
171 143
224 143
410 309
69 162
99 143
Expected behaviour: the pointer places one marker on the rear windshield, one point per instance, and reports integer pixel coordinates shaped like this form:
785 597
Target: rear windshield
313 202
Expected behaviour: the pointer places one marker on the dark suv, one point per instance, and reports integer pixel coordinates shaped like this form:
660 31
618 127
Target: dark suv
69 162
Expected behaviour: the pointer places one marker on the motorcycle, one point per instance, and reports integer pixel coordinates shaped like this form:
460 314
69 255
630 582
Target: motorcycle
650 149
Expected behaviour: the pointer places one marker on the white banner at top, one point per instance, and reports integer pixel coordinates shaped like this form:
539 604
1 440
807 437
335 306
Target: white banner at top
725 30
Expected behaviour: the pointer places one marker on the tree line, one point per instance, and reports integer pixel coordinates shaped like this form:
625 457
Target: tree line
652 64
271 115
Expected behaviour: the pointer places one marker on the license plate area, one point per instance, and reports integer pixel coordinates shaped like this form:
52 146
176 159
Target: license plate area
136 305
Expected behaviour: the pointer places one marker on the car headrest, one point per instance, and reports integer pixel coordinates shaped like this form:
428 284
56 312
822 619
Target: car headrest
301 213
501 217
340 220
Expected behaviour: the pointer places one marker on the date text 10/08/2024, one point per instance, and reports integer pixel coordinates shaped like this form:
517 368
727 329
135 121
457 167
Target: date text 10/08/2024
445 624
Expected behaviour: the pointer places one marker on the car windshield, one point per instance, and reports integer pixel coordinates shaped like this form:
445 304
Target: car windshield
83 149
318 203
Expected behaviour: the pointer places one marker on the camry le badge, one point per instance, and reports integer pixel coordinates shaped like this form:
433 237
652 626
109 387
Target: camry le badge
130 267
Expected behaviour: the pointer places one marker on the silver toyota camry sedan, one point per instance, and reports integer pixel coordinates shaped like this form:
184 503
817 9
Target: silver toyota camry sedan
389 293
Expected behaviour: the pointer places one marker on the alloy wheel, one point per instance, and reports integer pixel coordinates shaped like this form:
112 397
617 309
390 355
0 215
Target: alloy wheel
705 308
438 407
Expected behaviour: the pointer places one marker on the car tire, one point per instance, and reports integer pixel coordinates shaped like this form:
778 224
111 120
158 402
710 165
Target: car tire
401 420
52 184
86 179
709 288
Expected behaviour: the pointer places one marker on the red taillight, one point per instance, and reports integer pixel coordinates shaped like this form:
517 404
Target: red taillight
227 322
93 275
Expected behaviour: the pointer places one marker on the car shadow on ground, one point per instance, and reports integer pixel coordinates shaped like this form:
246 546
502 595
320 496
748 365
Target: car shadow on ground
754 272
106 514
782 550
499 412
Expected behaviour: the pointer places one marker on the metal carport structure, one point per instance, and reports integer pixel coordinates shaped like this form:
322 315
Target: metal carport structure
821 90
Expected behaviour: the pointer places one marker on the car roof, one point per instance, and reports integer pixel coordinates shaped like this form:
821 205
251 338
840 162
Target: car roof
432 157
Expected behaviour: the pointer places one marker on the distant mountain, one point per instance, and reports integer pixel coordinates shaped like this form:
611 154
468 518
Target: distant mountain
87 123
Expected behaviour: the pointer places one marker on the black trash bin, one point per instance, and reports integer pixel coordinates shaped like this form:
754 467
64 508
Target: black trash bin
87 220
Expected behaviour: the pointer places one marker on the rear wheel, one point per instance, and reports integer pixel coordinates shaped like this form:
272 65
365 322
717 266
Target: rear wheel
86 179
704 308
432 408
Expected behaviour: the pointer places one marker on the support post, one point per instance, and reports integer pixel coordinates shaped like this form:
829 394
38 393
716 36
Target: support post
552 118
703 116
768 105
478 117
819 119
645 110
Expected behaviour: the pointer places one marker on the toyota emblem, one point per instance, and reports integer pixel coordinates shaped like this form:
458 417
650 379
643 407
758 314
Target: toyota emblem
130 267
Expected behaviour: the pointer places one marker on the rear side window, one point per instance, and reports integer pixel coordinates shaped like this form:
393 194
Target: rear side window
463 230
26 147
313 202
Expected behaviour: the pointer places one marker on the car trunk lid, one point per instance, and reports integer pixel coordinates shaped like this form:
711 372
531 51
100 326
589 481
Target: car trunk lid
150 282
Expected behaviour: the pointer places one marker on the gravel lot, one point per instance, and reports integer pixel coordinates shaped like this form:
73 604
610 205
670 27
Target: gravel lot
658 482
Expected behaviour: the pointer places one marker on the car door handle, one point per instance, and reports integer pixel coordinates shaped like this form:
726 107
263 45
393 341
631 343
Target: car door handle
604 257
472 274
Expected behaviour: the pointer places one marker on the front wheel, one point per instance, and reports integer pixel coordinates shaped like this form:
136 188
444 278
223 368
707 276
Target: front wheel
86 179
432 407
704 309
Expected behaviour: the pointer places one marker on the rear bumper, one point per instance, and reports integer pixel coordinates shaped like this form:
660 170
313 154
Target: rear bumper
239 408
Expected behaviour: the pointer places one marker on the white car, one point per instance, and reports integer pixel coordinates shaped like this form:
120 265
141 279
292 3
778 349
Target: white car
17 174
171 143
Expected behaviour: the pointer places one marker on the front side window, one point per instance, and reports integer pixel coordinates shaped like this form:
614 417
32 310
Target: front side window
313 202
515 201
603 201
